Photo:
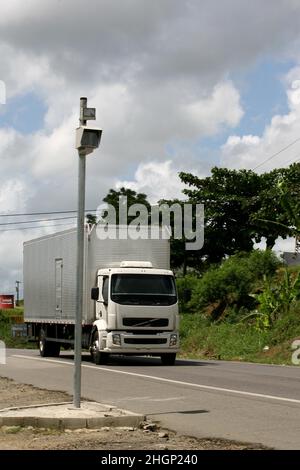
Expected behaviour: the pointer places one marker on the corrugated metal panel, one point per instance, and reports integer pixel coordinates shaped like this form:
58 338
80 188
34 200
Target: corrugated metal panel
40 270
40 282
109 252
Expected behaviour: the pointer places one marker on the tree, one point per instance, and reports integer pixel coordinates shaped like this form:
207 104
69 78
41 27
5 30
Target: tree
282 215
291 200
229 197
91 219
239 204
115 198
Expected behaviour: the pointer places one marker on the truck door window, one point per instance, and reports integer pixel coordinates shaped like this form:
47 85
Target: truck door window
105 289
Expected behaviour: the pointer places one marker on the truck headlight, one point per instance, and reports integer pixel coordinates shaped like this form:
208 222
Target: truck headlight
116 339
173 340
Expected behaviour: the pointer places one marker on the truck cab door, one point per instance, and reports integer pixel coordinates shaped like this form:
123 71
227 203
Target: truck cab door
102 303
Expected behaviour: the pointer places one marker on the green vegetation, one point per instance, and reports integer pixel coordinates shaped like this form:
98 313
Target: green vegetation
245 309
9 317
228 287
239 341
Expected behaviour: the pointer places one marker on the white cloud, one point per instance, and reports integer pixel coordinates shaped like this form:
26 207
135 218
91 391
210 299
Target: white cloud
138 126
159 75
251 151
221 108
13 196
156 180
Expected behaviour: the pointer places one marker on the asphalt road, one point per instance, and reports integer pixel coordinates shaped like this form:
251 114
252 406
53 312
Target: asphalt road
240 401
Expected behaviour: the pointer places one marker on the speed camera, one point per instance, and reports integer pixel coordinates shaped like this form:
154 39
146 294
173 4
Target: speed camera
87 139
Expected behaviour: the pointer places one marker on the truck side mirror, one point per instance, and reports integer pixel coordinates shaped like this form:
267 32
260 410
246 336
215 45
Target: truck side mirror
95 293
187 295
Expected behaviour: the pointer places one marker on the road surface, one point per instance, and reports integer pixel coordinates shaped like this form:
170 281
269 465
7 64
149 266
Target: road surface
241 401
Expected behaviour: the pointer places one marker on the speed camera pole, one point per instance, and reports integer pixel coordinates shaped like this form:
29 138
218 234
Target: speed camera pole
79 270
87 140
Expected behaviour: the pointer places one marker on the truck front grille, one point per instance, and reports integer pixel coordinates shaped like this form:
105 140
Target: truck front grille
145 322
145 340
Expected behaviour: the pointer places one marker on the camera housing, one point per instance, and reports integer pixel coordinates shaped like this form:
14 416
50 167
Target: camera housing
87 139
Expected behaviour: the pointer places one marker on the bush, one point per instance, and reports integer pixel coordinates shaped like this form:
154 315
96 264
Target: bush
230 284
188 282
262 263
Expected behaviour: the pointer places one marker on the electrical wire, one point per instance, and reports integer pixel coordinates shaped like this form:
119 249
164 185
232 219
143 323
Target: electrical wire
36 226
275 154
292 161
45 213
37 220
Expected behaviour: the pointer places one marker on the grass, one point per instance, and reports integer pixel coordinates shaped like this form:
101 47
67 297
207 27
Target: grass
239 341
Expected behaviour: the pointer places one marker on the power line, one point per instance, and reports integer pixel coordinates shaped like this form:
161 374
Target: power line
45 213
35 226
275 154
290 162
37 220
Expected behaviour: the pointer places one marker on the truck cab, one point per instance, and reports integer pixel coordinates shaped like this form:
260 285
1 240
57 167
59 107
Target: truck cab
136 311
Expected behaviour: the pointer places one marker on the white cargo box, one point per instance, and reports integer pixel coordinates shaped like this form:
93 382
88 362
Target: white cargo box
50 270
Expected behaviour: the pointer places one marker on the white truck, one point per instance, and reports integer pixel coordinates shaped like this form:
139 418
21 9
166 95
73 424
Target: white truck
130 302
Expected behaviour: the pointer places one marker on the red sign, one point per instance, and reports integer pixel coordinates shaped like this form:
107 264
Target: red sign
7 301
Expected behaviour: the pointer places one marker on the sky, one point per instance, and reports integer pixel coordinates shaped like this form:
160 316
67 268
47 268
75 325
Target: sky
178 85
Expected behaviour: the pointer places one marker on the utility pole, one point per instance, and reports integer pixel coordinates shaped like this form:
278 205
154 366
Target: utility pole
87 140
18 293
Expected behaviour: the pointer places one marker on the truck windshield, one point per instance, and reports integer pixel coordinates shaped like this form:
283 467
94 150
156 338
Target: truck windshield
143 289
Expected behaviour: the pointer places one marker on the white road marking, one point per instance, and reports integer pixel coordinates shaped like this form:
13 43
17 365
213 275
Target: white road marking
167 399
162 379
134 399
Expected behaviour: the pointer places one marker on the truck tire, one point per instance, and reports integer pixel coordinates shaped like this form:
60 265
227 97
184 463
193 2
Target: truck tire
168 359
48 348
44 345
98 357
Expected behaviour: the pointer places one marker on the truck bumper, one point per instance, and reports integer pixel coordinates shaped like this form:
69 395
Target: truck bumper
120 342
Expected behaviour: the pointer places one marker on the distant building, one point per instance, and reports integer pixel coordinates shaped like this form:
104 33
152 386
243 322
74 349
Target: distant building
290 258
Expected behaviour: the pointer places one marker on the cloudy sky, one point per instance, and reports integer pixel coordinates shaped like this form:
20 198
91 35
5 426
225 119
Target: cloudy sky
178 85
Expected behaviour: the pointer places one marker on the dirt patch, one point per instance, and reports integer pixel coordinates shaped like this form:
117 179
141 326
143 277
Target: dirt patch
148 437
15 394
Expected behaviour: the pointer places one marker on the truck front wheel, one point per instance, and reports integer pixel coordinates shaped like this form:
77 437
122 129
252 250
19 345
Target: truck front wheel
168 359
98 357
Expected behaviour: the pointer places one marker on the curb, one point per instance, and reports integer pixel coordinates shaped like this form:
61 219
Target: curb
36 417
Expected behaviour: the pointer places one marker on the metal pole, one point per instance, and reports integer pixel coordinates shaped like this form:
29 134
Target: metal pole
79 272
17 291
